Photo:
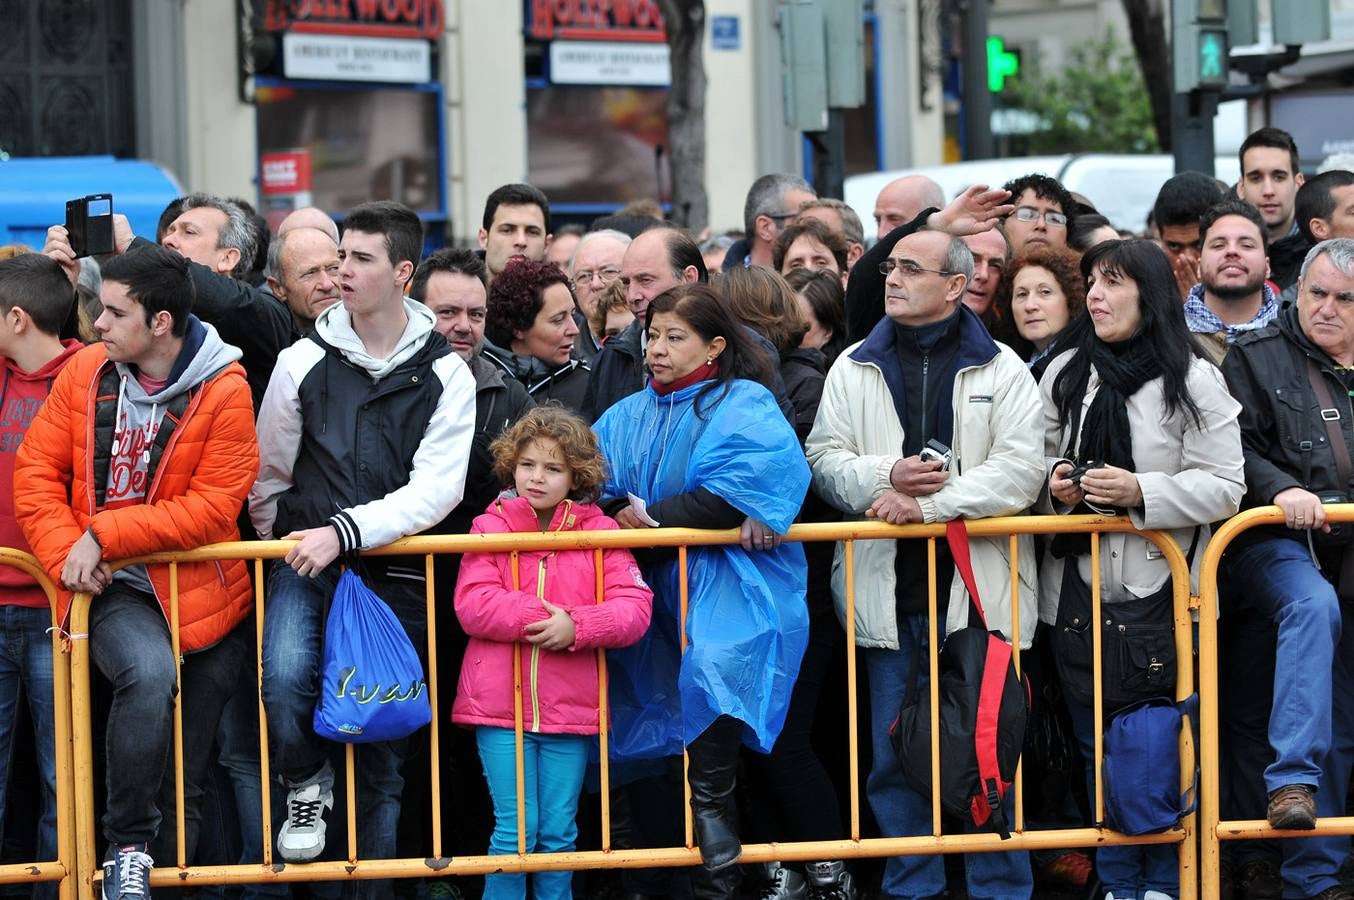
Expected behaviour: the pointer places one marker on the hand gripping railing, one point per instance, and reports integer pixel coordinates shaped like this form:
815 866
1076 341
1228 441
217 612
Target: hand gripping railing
437 865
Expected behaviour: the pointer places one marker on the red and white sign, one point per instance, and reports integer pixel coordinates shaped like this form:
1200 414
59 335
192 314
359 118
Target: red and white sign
596 20
285 173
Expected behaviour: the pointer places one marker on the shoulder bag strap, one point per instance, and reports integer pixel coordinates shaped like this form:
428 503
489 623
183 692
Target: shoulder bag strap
956 533
1330 414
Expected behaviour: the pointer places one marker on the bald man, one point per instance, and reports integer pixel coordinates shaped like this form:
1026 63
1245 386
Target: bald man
902 199
309 217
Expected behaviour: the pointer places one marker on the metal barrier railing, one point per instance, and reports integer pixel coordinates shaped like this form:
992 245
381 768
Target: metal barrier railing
61 869
437 865
1212 830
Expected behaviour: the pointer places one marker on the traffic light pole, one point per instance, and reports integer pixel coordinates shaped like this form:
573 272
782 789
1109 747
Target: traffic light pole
1192 131
977 95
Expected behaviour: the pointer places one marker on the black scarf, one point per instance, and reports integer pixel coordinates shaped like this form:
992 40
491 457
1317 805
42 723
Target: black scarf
1106 434
1124 367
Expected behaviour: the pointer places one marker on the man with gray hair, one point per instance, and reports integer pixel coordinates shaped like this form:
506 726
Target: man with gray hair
302 272
218 239
595 264
842 219
1292 378
772 201
928 377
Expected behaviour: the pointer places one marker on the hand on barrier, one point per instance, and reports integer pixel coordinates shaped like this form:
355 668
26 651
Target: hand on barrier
555 633
756 535
316 548
628 518
1065 490
1302 510
1112 486
896 508
973 212
917 477
85 569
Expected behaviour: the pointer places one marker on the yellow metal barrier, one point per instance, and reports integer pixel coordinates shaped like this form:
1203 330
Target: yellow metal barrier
62 869
1212 829
436 865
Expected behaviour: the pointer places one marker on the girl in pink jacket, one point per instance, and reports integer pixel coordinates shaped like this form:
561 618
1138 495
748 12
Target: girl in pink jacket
552 621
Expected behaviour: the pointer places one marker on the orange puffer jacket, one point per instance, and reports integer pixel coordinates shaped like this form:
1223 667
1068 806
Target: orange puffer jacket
196 490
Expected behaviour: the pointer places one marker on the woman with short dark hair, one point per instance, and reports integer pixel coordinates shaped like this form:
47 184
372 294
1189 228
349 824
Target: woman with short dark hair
529 332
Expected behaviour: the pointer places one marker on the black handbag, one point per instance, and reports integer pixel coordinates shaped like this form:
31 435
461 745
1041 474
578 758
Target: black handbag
1137 642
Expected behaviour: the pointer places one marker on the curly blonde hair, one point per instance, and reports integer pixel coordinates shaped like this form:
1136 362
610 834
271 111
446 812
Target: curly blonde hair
552 422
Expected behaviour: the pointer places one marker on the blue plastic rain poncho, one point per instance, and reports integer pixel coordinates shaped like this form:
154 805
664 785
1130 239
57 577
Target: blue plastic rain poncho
747 624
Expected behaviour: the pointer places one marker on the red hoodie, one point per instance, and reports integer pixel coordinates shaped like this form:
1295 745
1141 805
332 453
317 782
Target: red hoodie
21 396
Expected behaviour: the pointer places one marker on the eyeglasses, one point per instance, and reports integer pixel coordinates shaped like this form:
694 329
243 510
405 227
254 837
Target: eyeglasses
908 269
1051 218
584 278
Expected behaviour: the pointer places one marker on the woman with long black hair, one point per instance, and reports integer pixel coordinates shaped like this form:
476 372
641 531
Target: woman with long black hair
1136 421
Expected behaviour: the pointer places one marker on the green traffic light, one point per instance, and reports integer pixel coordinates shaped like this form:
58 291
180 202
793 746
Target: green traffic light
1212 56
1001 63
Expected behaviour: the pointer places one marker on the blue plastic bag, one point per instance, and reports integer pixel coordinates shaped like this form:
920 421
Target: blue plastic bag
372 686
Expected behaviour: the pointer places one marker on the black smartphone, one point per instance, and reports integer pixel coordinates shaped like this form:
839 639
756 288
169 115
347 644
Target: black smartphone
89 224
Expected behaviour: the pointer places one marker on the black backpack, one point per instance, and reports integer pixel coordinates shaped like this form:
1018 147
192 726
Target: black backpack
984 707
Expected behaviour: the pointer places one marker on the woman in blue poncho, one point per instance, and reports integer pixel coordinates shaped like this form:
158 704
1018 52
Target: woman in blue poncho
705 446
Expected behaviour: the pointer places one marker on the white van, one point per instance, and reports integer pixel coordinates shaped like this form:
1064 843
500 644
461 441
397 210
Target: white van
1123 186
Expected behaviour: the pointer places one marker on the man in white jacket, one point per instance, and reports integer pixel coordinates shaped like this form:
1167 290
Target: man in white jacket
927 373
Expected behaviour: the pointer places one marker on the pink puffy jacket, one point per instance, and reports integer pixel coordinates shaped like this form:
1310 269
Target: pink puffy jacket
559 688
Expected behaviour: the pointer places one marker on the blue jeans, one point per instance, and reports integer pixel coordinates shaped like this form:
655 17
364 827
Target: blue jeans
554 765
1311 726
1282 583
293 653
1124 871
26 667
901 811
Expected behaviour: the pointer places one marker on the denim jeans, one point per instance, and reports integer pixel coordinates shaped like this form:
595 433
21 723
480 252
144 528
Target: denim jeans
1124 871
26 668
129 642
901 811
1284 584
554 765
293 653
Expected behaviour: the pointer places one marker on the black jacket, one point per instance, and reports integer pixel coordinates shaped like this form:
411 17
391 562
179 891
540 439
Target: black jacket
567 384
1266 371
865 286
803 370
619 372
1285 259
245 316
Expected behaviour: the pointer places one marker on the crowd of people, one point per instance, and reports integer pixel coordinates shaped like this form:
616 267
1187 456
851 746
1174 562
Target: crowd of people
1002 352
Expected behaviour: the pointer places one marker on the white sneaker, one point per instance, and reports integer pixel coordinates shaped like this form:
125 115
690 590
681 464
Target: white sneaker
301 837
1157 895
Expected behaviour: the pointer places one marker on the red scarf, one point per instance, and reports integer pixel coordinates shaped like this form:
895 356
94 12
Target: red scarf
700 373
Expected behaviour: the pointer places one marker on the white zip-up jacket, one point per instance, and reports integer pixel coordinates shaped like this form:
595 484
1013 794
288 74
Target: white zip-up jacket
997 470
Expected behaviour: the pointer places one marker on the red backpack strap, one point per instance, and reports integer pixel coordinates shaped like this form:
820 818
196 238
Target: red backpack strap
987 802
956 533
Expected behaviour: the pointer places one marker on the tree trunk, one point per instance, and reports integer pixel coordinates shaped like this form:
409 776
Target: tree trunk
1147 25
684 22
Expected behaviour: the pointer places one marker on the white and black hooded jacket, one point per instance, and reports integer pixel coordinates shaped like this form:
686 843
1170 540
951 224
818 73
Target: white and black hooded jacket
375 447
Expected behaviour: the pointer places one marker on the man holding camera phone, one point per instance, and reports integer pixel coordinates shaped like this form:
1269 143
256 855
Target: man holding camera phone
1293 380
218 238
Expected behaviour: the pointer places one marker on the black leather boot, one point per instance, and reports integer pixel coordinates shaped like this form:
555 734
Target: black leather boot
712 770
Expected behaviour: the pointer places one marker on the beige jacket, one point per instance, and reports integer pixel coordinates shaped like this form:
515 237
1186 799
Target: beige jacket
1189 476
997 468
